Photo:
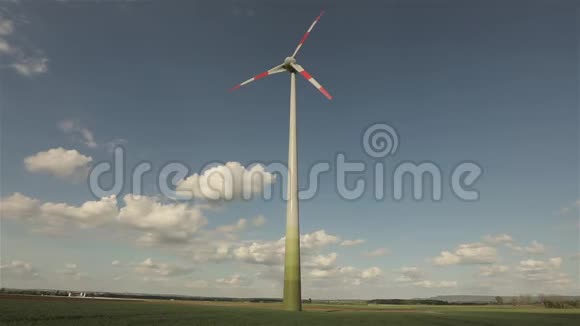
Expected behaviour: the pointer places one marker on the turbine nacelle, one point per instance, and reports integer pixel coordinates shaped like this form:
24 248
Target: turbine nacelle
290 65
288 62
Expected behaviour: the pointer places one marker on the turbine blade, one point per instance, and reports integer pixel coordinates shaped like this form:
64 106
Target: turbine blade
272 71
311 79
306 34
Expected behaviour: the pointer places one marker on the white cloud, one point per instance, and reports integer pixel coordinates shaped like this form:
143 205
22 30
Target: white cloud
235 280
89 213
59 162
55 215
349 243
197 284
409 274
469 253
230 228
317 239
320 261
377 252
226 182
18 269
158 223
544 273
371 273
18 205
497 239
71 271
412 276
6 26
533 266
115 262
163 223
30 66
343 276
259 220
5 47
272 252
20 56
535 248
492 270
572 209
163 270
261 252
81 133
435 284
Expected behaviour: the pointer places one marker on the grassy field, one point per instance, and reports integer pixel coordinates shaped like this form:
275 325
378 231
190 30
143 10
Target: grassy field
62 311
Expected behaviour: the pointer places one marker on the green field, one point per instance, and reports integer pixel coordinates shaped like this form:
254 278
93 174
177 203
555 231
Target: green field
62 311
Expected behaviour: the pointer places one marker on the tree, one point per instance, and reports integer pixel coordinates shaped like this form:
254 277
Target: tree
499 300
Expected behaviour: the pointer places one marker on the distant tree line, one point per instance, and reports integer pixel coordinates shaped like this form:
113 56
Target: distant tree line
408 301
559 302
553 302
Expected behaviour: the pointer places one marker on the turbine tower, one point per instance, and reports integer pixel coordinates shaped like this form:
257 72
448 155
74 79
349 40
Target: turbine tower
292 289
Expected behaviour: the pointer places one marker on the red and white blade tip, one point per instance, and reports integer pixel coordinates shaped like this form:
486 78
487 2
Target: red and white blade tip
313 81
305 36
258 76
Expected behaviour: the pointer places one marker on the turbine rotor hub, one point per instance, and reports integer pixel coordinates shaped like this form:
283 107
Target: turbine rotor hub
289 60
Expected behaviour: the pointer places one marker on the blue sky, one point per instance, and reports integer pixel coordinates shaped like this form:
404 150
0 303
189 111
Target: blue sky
495 83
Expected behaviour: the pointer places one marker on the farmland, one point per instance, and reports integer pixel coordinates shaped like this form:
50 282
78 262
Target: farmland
31 310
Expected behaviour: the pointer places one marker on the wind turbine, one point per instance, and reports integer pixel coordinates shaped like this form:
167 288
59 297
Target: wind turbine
292 289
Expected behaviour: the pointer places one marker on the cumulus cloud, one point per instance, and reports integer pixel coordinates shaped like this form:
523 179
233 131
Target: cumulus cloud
317 239
408 274
87 214
261 252
151 269
230 228
18 269
571 209
83 135
71 271
90 213
18 205
350 243
226 182
235 280
435 284
158 223
535 248
162 222
469 253
377 252
272 252
79 132
538 266
543 272
343 276
259 220
320 261
197 284
6 26
492 270
413 276
497 239
20 56
371 273
59 162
